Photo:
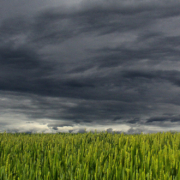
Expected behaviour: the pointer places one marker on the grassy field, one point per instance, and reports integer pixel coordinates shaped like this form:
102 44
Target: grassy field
90 156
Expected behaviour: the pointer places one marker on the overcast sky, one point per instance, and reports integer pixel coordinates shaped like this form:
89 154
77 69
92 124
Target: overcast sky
67 66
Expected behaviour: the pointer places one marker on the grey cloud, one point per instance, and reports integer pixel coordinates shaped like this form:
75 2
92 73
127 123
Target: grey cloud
171 76
163 118
76 84
53 57
20 69
14 26
158 39
53 26
112 57
133 121
157 119
117 118
20 58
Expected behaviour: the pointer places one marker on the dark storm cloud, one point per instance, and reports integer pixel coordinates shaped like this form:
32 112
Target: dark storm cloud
56 26
164 118
171 76
14 25
159 49
158 39
72 68
21 69
20 58
133 121
157 119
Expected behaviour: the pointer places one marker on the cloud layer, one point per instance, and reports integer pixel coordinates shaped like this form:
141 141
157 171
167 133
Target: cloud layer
105 65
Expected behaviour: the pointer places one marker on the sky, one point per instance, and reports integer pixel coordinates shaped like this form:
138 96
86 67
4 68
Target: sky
77 66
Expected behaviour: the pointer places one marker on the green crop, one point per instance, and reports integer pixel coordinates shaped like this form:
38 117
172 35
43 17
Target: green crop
99 156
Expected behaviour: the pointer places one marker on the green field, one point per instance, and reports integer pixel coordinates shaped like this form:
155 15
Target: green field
90 156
